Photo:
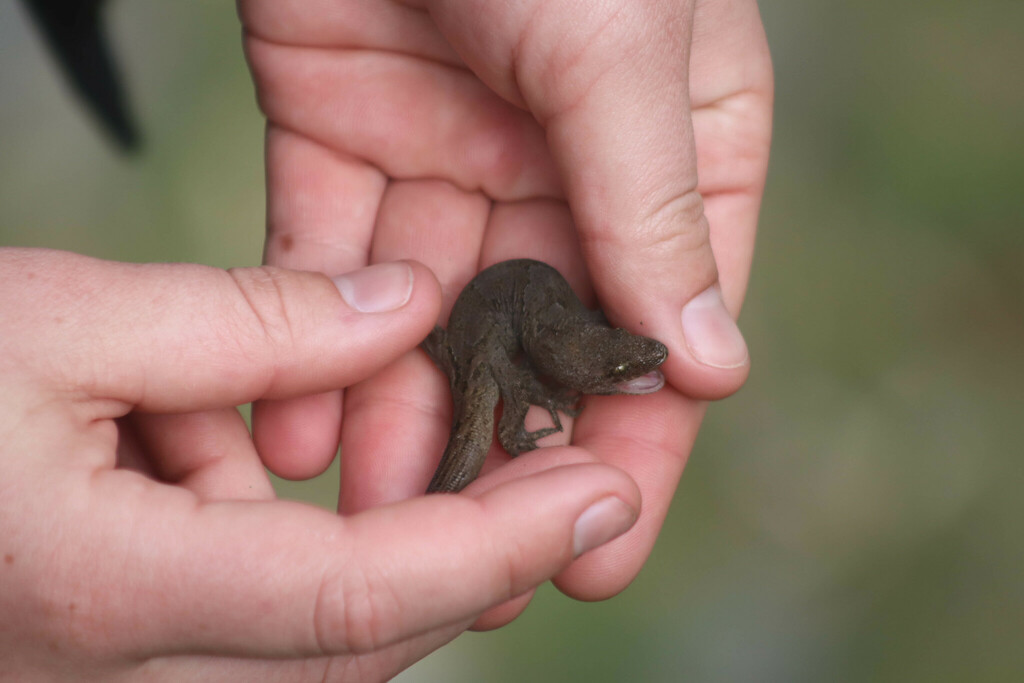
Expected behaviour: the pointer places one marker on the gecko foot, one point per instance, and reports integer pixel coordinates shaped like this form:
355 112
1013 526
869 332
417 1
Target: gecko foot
526 441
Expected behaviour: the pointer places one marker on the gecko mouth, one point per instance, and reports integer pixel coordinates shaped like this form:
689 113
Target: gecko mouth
644 384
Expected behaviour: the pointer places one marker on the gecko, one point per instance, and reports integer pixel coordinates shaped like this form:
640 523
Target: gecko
519 333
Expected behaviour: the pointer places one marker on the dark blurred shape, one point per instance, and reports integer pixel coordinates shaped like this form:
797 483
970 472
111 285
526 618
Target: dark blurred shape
74 32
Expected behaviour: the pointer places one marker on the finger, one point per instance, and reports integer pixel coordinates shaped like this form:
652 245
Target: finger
503 614
540 229
360 24
286 580
649 437
297 438
731 95
411 118
438 224
730 90
209 453
321 209
402 412
322 205
183 338
391 422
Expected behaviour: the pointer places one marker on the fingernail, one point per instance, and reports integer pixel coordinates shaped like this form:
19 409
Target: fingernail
606 519
376 289
710 332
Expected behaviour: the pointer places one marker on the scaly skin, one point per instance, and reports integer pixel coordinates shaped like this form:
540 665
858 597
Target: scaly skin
519 333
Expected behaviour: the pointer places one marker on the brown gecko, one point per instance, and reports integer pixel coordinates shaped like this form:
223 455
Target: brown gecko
519 333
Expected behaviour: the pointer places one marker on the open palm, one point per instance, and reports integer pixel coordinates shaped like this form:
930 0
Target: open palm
461 133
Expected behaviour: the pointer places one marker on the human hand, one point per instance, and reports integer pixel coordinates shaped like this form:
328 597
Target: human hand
139 538
464 133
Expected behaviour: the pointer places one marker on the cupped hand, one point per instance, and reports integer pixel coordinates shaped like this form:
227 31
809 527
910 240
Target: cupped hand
624 142
139 537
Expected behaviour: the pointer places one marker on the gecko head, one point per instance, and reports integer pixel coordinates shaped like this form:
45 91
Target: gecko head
607 361
632 368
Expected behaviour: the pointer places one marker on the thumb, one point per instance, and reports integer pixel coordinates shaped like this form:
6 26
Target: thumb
621 131
610 87
184 337
284 580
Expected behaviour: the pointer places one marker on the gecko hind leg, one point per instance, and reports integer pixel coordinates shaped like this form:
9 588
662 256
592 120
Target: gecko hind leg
517 397
512 429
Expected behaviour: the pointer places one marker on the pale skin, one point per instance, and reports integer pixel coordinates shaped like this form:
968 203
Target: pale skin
139 535
462 133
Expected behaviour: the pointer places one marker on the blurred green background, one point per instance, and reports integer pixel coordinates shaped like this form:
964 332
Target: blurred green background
856 513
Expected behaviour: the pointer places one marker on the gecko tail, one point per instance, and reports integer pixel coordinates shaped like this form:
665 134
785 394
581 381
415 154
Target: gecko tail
471 433
466 451
451 476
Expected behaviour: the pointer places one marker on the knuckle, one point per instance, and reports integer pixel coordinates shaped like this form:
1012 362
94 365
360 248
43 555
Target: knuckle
677 224
676 233
664 230
517 557
264 308
354 611
513 558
